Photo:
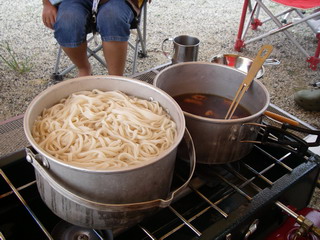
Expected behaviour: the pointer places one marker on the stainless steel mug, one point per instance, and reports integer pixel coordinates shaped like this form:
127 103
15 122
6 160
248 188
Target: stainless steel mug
185 48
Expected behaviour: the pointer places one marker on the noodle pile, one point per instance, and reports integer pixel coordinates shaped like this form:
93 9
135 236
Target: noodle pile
104 130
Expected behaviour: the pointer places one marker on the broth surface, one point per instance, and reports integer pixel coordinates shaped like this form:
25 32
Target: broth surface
209 105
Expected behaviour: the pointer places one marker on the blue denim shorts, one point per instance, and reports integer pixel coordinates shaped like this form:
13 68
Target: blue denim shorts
74 21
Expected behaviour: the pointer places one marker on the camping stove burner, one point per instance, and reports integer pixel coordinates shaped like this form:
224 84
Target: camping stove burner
66 231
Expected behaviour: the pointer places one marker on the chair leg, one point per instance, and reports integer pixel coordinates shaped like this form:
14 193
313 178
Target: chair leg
239 42
315 60
144 36
141 53
243 28
255 21
141 40
56 75
135 58
93 53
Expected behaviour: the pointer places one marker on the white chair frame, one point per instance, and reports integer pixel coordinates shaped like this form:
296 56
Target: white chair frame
282 26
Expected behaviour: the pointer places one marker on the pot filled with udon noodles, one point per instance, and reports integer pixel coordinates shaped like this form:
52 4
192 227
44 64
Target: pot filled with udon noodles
103 145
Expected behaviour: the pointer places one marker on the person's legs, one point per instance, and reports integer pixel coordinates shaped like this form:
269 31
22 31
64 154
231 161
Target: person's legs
113 23
115 54
71 30
78 55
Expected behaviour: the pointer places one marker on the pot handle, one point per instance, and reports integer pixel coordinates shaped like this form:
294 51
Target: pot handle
35 160
192 157
271 61
281 118
280 137
167 53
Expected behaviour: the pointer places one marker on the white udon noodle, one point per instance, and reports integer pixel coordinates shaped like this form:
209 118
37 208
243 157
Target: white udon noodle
104 130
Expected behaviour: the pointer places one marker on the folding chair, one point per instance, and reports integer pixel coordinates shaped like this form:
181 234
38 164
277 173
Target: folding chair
299 7
139 47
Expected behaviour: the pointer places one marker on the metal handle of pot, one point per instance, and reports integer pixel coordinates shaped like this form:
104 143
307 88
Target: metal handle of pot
192 157
281 118
280 137
166 53
35 161
271 61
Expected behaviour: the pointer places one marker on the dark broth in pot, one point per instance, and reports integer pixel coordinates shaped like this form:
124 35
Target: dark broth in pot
209 105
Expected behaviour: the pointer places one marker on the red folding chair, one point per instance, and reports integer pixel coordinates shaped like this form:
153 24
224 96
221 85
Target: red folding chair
299 7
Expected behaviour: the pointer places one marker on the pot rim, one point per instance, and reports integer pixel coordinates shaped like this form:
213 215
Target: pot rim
248 59
237 120
42 95
222 121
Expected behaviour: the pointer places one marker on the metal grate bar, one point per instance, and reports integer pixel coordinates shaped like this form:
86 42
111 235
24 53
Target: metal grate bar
186 222
19 188
232 190
147 232
16 192
189 220
259 174
234 187
258 189
98 234
213 205
277 161
246 181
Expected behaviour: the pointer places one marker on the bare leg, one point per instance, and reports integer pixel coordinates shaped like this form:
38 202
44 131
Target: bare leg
115 54
78 56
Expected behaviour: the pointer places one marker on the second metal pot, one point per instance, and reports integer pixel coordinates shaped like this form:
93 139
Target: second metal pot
216 140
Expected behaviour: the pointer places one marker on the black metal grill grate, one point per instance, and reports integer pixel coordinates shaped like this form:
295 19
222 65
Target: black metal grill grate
213 196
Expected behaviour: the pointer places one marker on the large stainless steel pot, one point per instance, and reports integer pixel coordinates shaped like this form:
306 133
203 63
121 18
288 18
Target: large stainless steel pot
144 182
216 140
92 214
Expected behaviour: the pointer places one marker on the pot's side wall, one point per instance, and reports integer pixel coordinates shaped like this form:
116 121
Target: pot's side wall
87 216
221 143
149 182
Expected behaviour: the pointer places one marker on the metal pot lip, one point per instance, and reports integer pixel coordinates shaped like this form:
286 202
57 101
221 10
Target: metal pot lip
187 63
202 63
216 58
227 121
60 85
220 121
238 120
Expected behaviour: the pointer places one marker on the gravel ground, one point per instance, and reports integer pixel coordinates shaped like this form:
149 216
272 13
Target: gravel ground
215 23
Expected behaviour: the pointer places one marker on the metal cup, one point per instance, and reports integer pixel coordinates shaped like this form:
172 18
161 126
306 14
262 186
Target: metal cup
185 48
